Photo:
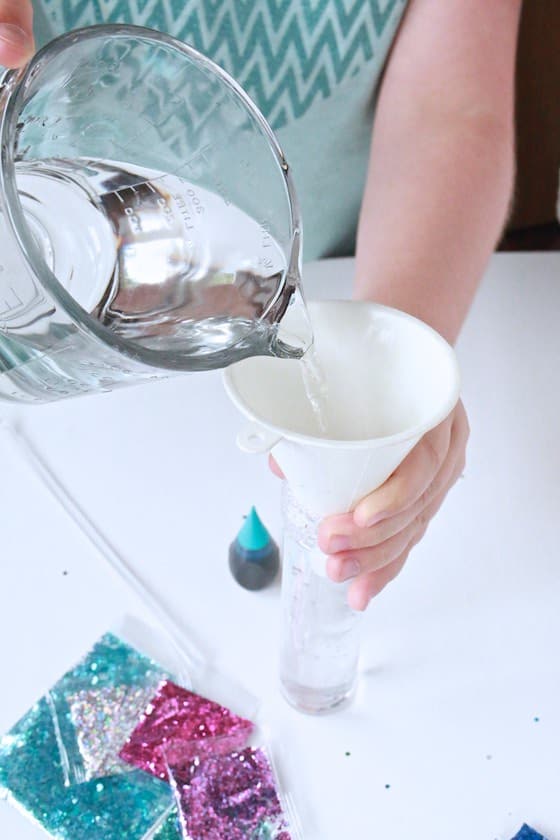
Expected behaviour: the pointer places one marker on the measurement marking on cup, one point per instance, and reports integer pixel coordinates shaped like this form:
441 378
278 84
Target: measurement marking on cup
10 307
15 294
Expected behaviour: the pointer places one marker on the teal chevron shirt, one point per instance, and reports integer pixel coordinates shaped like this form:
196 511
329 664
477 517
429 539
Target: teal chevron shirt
312 67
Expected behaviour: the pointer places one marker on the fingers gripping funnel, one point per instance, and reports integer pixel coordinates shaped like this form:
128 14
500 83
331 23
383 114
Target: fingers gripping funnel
389 378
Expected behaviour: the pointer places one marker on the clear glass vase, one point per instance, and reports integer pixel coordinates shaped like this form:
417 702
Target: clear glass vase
320 632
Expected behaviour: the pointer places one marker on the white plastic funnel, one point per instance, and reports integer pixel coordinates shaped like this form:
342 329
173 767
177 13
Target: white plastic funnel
390 378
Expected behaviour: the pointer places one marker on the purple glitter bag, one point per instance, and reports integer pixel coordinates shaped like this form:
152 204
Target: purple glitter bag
224 789
234 795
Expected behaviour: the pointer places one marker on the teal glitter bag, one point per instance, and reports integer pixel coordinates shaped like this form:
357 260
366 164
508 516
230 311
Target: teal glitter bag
40 753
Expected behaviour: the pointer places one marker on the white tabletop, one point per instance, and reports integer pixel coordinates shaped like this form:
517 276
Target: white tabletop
460 653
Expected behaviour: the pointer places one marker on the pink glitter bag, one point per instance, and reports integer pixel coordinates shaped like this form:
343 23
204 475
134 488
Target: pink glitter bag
178 727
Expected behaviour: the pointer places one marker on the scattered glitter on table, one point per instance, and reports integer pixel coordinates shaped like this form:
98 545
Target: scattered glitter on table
232 797
33 767
179 725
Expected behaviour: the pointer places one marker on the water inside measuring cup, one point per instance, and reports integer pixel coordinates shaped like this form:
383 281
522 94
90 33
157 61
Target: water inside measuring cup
157 260
146 253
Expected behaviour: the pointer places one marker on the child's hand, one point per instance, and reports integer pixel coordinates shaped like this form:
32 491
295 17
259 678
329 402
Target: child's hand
372 543
16 32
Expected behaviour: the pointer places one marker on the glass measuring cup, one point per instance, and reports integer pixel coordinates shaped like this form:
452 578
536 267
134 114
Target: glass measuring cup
148 221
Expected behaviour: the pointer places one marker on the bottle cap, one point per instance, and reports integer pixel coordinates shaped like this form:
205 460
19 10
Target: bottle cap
253 536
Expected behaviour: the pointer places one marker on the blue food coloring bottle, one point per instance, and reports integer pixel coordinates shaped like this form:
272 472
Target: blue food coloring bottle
254 557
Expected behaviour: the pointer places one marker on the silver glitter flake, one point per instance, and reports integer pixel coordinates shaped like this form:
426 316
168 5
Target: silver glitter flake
103 719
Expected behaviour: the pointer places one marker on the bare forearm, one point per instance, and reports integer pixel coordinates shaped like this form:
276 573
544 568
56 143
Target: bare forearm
439 186
428 230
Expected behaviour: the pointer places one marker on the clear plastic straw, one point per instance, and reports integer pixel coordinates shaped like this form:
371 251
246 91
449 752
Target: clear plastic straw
104 547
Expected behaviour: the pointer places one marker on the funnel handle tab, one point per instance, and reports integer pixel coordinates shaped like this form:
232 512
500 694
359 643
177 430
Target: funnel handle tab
255 439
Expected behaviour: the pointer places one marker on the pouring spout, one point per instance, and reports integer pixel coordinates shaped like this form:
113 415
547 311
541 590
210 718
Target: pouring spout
4 77
8 79
292 334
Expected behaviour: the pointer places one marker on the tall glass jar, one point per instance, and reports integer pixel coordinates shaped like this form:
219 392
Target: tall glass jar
320 632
